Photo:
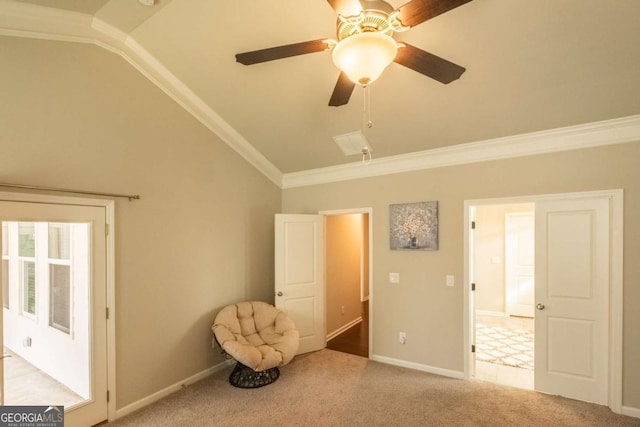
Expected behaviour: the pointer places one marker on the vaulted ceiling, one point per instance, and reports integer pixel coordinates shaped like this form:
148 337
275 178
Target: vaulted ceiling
530 66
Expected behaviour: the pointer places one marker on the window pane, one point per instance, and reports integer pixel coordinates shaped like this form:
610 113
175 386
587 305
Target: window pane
5 239
27 239
29 286
5 283
60 302
59 239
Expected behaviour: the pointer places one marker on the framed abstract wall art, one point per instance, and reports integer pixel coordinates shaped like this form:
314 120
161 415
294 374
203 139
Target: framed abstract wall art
413 226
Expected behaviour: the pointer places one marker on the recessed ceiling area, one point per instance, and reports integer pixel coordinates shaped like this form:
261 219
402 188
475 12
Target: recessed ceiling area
528 68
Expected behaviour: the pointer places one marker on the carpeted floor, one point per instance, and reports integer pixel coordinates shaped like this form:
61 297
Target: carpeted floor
329 388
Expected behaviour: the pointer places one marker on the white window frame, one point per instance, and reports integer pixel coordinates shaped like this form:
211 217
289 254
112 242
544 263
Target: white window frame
109 206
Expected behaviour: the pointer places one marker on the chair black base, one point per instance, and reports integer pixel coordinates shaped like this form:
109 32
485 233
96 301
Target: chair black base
244 377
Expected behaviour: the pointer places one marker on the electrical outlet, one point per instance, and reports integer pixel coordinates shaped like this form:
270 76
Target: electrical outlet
342 309
450 280
402 337
394 277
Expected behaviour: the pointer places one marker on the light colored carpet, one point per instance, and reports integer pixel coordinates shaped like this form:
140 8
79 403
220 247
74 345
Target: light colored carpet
328 388
510 347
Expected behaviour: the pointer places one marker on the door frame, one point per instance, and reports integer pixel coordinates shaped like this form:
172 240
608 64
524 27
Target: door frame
616 200
109 207
368 211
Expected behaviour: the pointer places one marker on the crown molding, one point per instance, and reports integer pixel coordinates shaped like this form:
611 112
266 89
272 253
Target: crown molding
20 19
607 132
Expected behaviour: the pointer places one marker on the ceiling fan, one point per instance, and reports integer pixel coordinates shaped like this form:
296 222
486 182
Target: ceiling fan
365 44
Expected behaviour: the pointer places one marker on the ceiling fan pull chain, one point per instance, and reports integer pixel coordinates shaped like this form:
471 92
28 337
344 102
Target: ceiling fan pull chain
366 112
367 123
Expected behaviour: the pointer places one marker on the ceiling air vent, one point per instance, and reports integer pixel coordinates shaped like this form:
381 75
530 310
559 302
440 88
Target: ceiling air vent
352 143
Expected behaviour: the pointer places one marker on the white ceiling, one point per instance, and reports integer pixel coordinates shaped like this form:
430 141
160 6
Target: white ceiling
531 66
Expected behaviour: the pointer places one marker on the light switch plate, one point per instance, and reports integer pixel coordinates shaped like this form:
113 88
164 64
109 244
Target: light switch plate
394 277
450 280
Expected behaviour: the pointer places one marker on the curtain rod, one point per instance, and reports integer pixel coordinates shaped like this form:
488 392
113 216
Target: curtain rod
62 190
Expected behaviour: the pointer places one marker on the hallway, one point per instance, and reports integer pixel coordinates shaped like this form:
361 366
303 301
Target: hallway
354 340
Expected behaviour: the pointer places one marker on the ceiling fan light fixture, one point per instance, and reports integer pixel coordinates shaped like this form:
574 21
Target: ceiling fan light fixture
364 56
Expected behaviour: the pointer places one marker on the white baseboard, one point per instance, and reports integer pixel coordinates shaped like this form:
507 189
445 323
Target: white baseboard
344 328
171 389
418 367
491 313
632 412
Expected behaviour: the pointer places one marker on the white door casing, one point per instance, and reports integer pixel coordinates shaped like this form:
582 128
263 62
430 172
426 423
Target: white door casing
470 323
519 263
299 276
572 298
94 409
614 323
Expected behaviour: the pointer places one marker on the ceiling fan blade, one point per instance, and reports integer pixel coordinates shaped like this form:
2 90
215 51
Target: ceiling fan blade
342 92
417 11
428 64
346 7
279 52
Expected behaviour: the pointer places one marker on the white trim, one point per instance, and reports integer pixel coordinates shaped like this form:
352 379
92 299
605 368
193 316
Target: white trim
338 331
616 198
32 21
110 219
631 412
185 97
109 206
607 132
145 401
107 30
370 299
44 36
46 21
40 22
616 307
418 367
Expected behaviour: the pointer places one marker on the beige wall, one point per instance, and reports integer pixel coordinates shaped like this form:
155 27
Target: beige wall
343 249
489 237
421 304
77 116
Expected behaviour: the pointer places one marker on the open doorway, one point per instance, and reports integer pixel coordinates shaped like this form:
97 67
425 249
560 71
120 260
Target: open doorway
347 255
56 279
578 299
45 307
504 255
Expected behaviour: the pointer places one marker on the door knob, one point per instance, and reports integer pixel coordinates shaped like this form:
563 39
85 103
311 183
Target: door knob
279 294
540 306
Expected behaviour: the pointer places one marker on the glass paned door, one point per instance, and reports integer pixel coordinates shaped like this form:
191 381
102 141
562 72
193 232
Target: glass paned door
53 323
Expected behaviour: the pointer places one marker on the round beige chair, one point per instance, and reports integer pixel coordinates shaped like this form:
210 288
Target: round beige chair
260 337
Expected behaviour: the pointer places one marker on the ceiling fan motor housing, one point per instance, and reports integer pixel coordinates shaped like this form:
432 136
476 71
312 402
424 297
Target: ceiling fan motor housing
365 43
374 17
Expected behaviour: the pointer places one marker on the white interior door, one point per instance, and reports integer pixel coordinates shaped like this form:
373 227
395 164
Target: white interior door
572 297
299 276
53 315
520 263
